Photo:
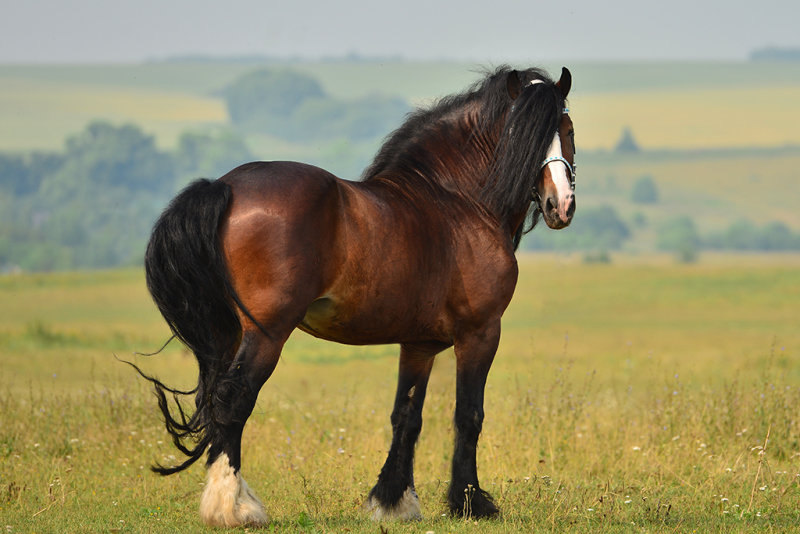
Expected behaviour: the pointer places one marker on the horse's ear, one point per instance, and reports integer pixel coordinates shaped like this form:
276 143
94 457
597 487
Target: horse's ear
565 83
513 84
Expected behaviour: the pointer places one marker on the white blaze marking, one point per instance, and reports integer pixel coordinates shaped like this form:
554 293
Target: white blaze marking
558 171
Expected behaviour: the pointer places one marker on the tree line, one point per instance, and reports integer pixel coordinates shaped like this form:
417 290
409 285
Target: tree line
600 229
93 204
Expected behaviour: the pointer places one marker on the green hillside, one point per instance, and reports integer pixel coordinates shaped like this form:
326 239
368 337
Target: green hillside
41 104
718 141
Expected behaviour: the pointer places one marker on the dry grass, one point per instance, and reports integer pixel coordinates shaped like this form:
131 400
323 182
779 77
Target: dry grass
625 398
691 118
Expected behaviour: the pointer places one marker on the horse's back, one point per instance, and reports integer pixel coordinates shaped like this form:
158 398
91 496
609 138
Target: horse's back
278 182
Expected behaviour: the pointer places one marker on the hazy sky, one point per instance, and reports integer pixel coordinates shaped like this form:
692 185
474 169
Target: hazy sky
475 30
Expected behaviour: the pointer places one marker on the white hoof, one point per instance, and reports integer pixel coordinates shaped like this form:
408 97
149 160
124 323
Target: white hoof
227 500
406 509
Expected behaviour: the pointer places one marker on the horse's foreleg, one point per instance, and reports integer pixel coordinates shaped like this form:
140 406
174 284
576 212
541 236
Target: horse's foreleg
394 495
227 500
474 354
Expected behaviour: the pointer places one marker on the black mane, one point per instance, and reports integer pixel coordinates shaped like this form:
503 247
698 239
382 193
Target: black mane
483 142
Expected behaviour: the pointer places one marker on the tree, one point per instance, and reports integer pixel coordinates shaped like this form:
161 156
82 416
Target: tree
362 119
777 236
644 191
745 235
679 236
627 144
209 155
593 229
96 208
21 174
104 155
264 95
294 107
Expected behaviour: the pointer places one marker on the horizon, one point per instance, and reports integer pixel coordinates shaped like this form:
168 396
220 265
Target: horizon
96 32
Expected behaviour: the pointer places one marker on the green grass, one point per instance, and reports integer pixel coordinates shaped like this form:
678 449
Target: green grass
630 397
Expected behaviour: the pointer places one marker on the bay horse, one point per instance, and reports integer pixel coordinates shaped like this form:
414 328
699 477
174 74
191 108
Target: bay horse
420 252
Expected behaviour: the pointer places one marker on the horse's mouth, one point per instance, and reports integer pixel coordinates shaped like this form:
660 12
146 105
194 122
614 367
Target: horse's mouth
555 217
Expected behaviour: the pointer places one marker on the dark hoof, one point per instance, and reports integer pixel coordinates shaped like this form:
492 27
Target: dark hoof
472 503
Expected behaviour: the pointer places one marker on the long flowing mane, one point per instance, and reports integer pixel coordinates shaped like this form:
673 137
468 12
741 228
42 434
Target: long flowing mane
485 144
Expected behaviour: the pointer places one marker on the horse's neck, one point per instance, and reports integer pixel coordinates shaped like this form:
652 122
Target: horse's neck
457 156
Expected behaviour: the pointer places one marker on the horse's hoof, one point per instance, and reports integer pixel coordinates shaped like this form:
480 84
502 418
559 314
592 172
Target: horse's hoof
227 500
406 509
478 505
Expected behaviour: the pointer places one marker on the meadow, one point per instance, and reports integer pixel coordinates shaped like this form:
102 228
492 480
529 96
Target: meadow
636 396
641 396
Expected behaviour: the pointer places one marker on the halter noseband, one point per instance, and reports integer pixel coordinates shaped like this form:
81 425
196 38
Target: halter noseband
570 168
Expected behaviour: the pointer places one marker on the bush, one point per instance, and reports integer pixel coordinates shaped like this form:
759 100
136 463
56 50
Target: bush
679 235
593 229
205 155
265 94
294 107
645 191
626 143
744 235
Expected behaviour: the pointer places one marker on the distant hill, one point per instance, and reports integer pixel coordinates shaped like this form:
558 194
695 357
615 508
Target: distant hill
775 54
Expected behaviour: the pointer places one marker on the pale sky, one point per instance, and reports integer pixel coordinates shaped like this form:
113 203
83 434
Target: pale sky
87 31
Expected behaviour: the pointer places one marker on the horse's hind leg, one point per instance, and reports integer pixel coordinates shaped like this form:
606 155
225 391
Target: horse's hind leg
394 495
227 500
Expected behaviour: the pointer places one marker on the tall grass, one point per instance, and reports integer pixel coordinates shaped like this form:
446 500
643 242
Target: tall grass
632 397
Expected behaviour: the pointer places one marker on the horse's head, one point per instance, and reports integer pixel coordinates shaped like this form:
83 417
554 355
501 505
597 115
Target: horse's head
555 188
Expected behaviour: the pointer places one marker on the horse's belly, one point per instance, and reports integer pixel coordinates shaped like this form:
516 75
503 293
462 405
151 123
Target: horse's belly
329 320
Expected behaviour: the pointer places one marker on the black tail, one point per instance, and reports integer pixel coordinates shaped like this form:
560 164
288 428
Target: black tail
188 279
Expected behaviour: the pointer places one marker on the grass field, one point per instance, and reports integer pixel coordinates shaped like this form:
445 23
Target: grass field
39 115
640 396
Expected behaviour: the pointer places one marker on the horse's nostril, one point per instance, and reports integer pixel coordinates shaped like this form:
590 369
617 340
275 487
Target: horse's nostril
550 206
571 207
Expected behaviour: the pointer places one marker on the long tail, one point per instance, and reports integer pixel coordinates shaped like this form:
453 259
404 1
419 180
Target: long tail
189 282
